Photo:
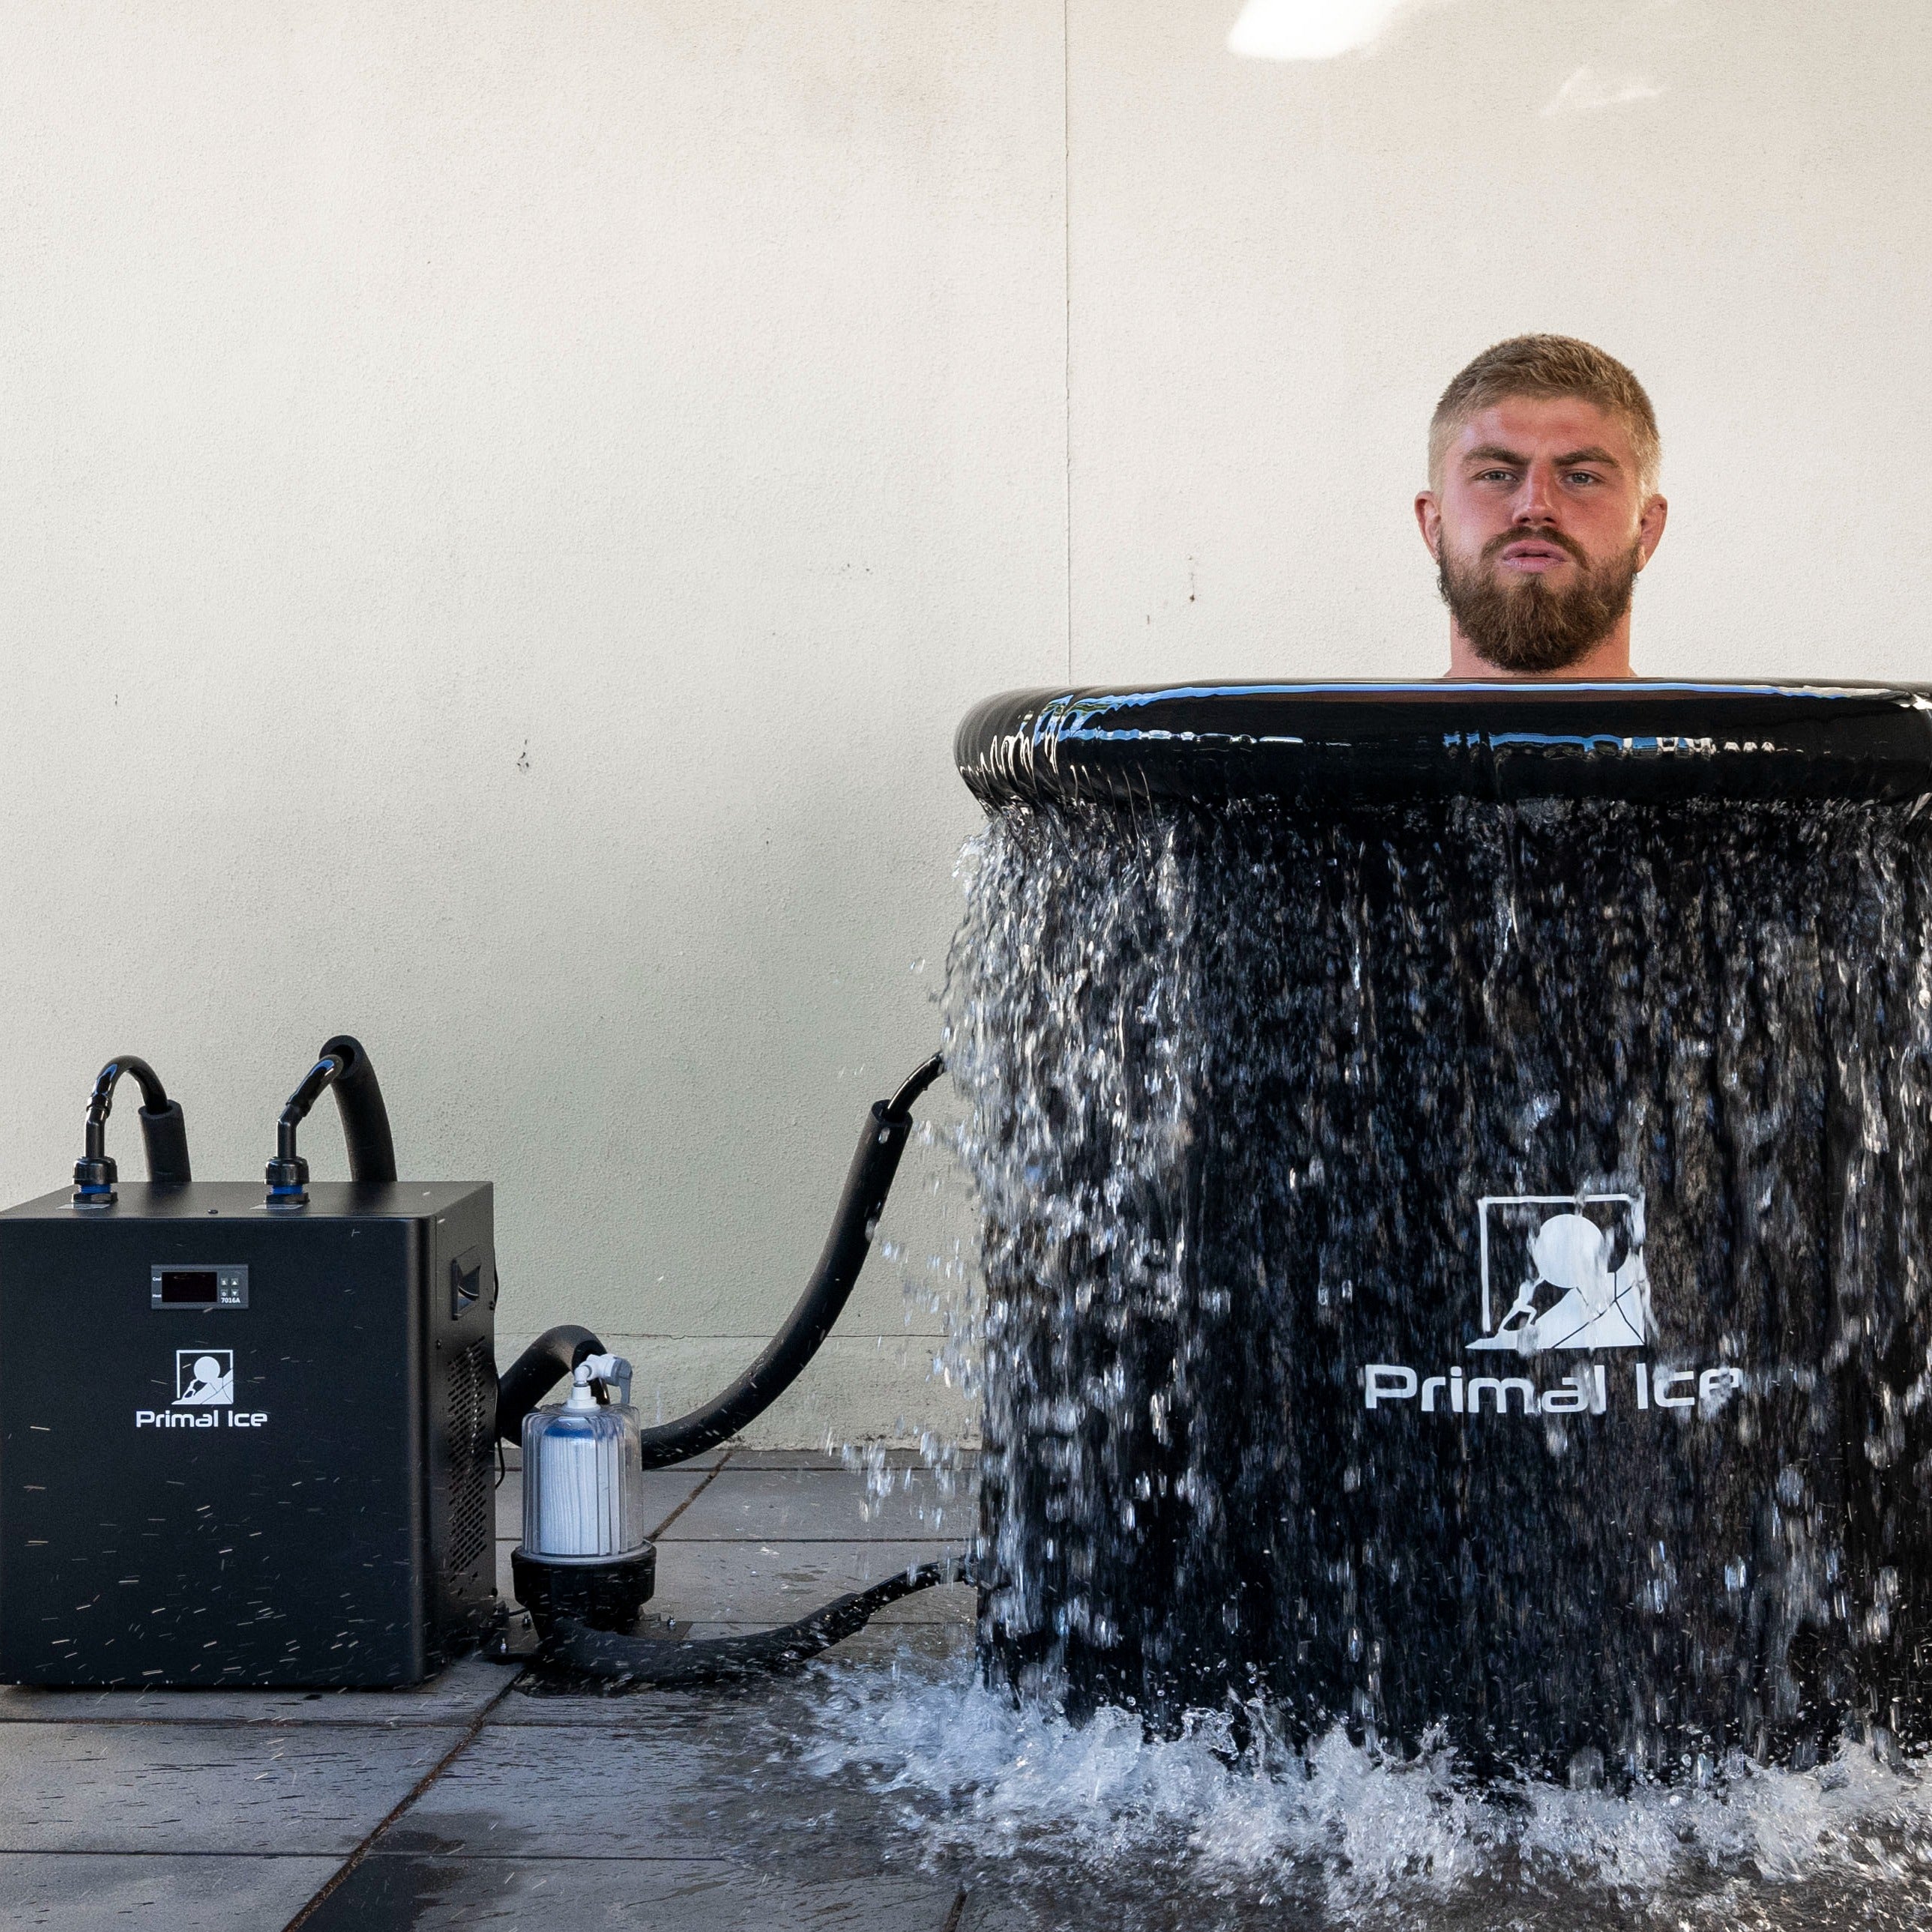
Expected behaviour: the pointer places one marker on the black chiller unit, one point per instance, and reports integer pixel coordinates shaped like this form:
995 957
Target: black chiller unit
248 1437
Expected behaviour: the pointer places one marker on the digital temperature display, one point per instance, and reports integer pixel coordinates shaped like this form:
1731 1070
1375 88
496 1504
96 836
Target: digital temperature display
224 1285
188 1288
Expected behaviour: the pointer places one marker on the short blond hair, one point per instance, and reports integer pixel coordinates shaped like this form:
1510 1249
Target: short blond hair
1548 365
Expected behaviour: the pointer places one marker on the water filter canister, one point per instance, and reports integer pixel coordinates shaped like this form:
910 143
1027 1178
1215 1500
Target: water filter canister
583 1471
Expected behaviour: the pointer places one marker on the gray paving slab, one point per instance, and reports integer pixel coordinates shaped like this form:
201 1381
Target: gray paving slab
70 1891
999 1908
659 1777
453 1697
799 1505
878 1642
766 1583
643 1710
438 1895
179 1788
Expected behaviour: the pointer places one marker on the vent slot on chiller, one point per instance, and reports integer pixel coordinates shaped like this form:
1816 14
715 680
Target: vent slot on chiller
472 1456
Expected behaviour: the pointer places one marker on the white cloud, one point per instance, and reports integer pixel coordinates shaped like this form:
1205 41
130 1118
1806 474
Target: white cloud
1288 30
1587 91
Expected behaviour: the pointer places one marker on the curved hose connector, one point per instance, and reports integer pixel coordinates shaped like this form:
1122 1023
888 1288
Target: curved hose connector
599 1374
622 1661
555 1353
343 1065
867 1181
915 1084
164 1134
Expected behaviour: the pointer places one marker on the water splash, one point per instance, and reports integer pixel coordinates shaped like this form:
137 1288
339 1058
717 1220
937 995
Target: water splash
1095 1824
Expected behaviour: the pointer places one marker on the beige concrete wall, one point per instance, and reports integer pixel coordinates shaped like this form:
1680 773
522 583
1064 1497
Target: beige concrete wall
503 504
1276 267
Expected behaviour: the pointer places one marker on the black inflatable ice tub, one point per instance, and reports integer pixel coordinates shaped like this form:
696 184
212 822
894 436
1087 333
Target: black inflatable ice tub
1457 1163
1639 740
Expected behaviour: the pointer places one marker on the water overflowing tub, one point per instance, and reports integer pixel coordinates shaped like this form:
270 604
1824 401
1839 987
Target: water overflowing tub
1453 1163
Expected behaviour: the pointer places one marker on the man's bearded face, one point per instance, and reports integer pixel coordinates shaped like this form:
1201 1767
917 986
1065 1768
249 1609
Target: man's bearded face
1521 623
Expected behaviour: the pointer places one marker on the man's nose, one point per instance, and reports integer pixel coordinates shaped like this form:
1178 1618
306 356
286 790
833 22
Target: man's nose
1535 499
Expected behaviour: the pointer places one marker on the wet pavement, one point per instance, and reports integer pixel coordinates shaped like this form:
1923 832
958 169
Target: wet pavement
465 1802
881 1788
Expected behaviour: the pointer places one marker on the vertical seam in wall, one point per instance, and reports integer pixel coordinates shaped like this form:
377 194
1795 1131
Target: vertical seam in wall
1066 292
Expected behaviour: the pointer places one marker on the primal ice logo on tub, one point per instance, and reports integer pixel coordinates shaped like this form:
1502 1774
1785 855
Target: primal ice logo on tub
204 1382
1584 1284
1579 1284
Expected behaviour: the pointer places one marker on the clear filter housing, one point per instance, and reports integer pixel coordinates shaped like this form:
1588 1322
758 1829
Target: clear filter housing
583 1477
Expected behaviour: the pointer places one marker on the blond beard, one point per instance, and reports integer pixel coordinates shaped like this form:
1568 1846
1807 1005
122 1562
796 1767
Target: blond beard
1525 625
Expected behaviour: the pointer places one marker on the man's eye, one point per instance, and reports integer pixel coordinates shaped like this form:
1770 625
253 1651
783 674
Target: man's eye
1585 476
1495 476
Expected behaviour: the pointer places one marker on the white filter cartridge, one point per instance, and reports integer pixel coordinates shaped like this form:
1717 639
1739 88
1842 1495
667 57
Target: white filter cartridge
579 1496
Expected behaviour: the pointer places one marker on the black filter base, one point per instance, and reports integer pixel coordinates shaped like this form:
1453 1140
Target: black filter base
606 1596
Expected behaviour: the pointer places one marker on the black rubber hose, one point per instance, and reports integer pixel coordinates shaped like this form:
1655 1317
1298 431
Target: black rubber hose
576 1649
344 1065
163 1131
101 1101
867 1181
365 1119
164 1134
537 1371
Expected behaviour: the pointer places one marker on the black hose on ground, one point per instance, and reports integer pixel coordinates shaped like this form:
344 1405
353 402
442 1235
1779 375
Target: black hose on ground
537 1371
664 1664
868 1182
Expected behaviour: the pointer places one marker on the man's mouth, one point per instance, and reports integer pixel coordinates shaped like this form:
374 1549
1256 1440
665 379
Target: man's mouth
1533 556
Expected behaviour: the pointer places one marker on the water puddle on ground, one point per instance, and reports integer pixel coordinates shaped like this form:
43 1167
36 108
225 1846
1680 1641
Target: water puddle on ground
1049 1824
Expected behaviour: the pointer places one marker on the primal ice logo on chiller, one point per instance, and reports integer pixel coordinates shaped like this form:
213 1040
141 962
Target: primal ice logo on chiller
204 1395
1582 1281
204 1377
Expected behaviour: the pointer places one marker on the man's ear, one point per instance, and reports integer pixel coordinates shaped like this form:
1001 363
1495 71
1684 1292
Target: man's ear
1650 522
1428 521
